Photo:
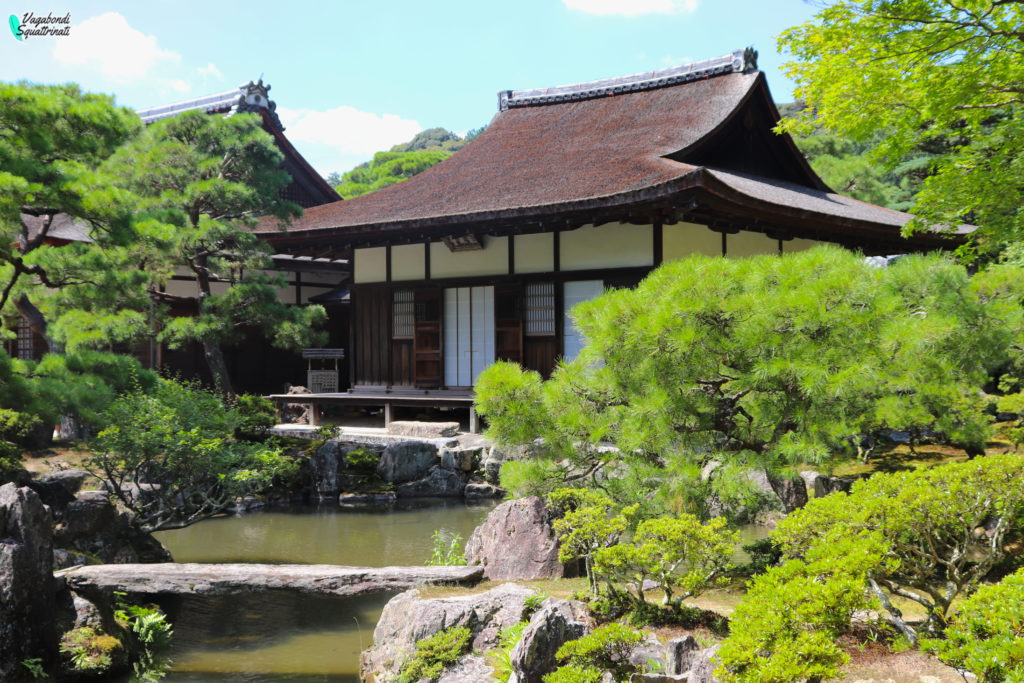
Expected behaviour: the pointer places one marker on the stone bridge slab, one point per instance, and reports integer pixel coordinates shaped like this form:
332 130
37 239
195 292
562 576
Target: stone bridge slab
225 579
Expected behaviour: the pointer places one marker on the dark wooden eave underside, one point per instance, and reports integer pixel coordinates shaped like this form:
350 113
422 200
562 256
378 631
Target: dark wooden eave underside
698 197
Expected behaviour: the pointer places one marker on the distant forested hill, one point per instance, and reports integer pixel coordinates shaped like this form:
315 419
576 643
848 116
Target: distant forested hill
401 162
848 168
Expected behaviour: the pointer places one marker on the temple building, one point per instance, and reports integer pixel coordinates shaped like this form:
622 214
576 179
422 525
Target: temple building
257 366
569 191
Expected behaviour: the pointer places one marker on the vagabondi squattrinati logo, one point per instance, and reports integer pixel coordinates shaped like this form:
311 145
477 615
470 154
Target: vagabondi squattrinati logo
32 24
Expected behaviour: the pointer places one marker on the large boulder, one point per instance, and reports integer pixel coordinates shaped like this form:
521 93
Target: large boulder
96 528
494 457
27 606
409 618
825 484
324 467
406 461
439 483
703 667
516 541
71 479
791 491
554 624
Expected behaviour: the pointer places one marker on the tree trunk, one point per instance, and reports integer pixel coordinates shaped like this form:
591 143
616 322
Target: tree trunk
218 367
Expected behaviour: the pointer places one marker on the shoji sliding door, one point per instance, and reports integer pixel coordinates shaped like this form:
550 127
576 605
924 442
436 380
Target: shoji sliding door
575 293
468 334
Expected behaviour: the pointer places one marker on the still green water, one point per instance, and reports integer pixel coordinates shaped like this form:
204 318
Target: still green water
286 637
276 637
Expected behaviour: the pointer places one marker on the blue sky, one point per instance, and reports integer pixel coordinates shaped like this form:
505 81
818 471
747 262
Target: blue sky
351 78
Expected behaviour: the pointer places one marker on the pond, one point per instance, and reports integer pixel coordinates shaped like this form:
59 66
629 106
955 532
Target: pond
286 637
277 637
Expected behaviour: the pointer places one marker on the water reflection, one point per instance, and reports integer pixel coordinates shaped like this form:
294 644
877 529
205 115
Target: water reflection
272 637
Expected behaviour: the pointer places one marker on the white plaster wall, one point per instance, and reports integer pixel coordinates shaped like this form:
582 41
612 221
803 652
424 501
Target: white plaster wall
685 239
370 265
794 245
407 262
491 260
746 243
614 245
535 253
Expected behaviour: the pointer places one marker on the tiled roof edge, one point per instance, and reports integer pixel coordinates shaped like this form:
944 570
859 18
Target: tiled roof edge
249 97
738 61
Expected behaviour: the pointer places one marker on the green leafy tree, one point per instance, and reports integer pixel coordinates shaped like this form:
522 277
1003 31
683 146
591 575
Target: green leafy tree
678 553
923 70
940 531
52 139
986 635
588 522
199 182
388 168
764 362
172 456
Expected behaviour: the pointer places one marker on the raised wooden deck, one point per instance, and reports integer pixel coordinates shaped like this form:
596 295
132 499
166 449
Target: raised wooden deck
386 398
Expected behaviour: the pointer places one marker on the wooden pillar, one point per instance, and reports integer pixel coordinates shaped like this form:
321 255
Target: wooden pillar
388 414
474 420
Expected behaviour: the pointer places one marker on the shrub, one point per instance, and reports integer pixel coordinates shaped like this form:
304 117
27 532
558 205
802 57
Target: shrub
179 441
678 553
573 673
89 650
941 530
435 654
607 648
501 656
256 415
986 635
785 629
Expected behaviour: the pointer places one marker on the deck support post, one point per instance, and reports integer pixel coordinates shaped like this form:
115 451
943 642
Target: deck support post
388 415
474 421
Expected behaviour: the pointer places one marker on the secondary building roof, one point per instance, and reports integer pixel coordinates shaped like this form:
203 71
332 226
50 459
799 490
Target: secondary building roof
692 142
307 187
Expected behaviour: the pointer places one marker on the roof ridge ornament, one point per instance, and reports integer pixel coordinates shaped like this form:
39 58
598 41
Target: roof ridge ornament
249 97
738 61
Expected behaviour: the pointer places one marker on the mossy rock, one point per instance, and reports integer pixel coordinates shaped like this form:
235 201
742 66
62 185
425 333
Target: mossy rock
91 652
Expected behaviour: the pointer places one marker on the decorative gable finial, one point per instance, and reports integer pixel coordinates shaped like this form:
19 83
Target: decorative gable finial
744 61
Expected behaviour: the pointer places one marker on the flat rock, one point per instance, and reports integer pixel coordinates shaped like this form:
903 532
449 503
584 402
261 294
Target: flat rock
424 430
363 499
225 579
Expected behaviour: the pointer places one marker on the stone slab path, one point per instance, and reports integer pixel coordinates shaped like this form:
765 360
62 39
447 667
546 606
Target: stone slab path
223 579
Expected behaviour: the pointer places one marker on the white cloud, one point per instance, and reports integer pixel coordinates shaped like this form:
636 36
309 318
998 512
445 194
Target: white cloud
107 42
347 130
629 8
178 85
210 71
